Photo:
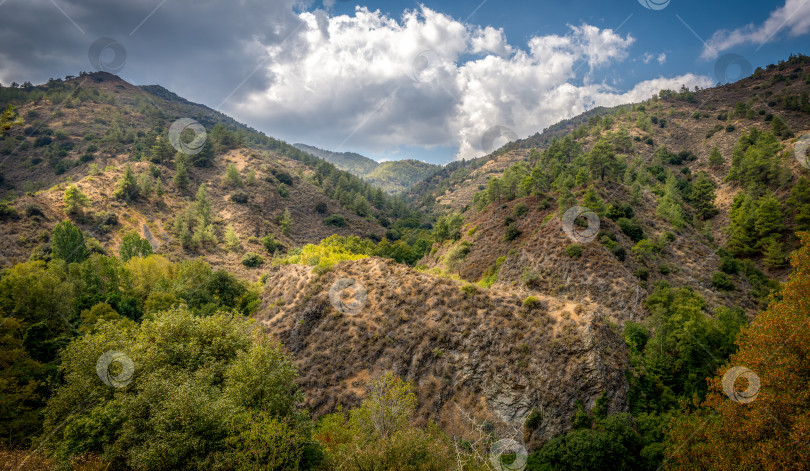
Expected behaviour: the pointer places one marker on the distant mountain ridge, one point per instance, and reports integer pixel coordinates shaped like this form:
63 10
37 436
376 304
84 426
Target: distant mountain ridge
392 176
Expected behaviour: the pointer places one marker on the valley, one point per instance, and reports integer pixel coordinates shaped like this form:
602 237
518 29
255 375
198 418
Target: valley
479 307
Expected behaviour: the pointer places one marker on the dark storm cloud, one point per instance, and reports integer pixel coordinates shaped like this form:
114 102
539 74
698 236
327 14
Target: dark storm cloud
202 50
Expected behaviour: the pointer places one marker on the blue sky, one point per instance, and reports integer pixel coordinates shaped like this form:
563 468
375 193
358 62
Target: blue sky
396 79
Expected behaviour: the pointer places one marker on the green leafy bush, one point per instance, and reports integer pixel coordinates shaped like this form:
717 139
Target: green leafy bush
532 303
631 228
240 197
511 232
721 281
574 250
336 220
252 260
230 402
271 244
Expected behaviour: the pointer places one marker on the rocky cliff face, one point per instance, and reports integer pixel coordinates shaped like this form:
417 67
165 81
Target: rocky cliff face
474 354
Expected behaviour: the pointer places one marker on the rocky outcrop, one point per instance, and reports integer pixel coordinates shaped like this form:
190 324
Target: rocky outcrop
472 353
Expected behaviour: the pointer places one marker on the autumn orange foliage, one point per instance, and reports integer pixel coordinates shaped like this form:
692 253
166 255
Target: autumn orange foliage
772 431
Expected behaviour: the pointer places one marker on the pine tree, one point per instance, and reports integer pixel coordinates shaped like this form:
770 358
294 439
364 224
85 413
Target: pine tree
204 232
716 158
232 242
204 158
602 159
742 230
494 190
769 217
75 201
774 253
285 221
203 206
146 187
669 207
181 175
161 152
703 196
800 202
593 202
128 188
232 177
780 128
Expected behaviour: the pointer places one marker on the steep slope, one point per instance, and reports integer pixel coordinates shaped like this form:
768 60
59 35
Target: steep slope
393 176
88 130
452 187
673 135
471 352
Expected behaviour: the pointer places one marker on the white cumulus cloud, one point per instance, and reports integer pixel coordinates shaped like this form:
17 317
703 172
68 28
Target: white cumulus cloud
374 83
793 16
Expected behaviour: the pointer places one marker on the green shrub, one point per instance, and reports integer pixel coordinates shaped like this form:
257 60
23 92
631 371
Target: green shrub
642 273
336 220
631 228
532 303
616 211
8 212
469 290
271 244
729 264
574 250
240 197
721 281
283 177
321 207
283 190
520 210
511 232
620 252
252 260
